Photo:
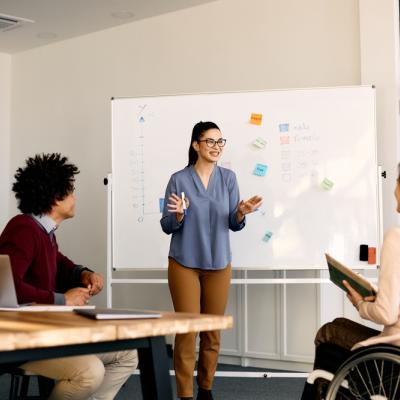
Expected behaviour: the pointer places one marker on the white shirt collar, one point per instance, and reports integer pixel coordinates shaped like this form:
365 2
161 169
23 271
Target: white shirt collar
46 222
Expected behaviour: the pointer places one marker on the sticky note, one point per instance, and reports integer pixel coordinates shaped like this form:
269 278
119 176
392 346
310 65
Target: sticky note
285 139
327 184
161 201
267 236
283 127
260 170
260 143
256 119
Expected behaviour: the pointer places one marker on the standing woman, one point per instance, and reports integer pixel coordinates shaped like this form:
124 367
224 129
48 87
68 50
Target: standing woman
202 204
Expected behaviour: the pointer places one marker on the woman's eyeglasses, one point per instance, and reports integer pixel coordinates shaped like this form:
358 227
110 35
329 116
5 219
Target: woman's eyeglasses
211 142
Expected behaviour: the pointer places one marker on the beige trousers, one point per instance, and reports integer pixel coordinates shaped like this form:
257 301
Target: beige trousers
197 291
94 377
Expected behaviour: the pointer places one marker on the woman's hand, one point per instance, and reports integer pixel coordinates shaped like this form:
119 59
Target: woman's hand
355 297
175 205
247 207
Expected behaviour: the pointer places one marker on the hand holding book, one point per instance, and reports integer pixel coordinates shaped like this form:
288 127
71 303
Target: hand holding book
355 297
339 273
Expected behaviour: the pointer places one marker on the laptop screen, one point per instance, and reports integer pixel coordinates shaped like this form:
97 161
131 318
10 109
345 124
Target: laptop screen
8 295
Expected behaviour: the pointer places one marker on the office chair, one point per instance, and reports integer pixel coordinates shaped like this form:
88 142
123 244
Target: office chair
19 386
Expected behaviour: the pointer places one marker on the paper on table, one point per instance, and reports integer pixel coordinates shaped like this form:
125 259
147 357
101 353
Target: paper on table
48 307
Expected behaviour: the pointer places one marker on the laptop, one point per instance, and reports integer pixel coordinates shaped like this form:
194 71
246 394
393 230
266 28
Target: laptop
117 313
8 294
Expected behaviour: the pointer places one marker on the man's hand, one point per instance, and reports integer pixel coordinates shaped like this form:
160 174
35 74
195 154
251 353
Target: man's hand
93 281
77 297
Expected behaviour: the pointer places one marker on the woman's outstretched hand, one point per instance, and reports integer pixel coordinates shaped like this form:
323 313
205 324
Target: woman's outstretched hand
248 206
175 205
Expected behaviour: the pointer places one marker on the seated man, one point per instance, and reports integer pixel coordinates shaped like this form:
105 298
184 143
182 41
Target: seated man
44 189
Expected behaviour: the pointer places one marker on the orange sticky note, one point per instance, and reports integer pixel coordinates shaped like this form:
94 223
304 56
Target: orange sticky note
256 119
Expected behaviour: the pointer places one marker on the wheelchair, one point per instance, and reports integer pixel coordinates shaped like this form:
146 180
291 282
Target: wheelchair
371 373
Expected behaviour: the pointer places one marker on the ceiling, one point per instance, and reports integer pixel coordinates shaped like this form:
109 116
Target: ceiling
56 20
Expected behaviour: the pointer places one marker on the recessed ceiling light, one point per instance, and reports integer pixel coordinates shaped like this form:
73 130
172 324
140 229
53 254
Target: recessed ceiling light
46 35
122 14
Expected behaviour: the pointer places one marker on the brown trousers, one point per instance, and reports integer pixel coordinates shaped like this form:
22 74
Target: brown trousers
197 291
344 333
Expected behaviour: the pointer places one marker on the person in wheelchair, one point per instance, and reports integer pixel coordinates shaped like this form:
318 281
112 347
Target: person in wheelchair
336 341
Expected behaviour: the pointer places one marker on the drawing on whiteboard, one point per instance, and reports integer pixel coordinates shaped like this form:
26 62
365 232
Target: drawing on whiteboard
137 168
286 177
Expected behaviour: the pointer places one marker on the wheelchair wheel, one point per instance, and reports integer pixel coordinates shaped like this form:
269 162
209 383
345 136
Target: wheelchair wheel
370 374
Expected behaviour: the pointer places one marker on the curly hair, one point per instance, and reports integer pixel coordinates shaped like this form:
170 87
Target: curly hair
45 179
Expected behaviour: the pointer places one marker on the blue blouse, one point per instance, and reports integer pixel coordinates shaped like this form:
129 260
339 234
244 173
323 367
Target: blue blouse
201 240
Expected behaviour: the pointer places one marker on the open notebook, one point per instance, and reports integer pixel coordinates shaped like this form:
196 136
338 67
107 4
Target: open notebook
8 295
339 272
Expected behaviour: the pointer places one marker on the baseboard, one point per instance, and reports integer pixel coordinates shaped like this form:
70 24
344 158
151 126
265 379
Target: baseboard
266 364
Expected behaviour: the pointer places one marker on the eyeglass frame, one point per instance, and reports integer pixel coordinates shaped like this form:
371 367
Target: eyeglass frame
215 142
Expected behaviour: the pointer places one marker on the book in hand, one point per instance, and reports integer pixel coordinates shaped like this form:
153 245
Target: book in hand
117 313
339 273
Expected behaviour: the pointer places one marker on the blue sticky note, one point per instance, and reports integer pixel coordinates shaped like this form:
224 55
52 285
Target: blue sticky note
267 236
161 200
260 170
283 127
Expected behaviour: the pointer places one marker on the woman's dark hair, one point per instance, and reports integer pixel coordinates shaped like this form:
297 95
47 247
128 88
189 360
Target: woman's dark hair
45 179
197 133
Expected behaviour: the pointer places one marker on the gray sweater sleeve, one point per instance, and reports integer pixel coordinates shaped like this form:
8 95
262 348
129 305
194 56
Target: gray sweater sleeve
234 198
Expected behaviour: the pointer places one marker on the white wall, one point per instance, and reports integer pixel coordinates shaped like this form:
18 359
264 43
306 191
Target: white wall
379 34
5 115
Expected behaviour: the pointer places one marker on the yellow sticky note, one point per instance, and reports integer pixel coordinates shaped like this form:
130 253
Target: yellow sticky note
256 119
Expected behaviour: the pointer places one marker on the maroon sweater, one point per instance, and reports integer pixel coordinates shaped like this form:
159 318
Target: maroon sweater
39 269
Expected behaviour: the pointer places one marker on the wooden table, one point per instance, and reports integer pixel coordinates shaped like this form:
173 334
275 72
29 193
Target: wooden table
27 336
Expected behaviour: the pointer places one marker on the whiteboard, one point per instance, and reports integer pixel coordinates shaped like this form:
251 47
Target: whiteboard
315 138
